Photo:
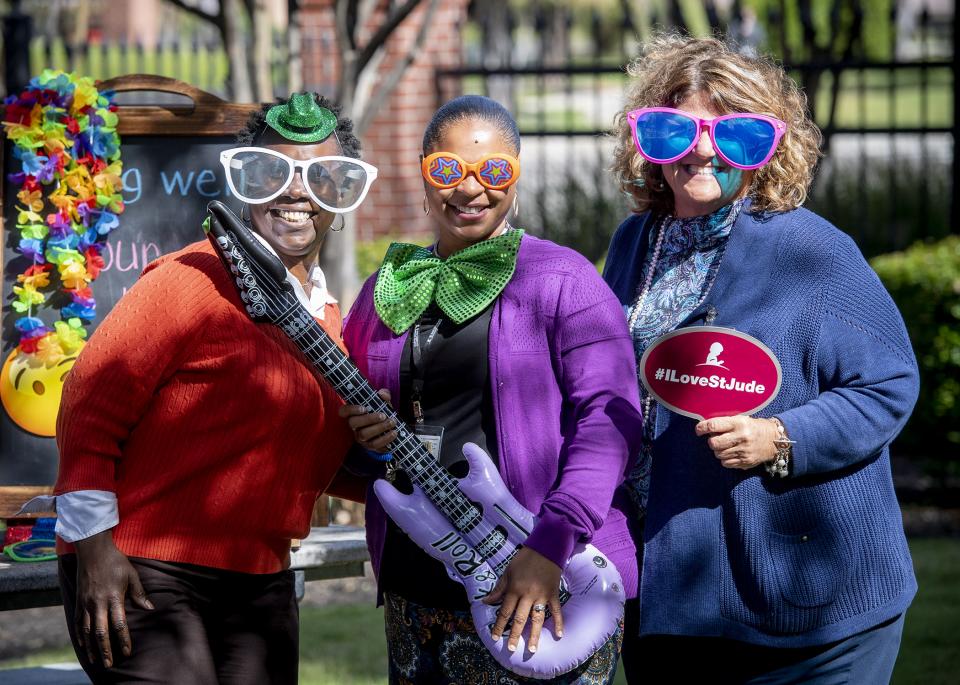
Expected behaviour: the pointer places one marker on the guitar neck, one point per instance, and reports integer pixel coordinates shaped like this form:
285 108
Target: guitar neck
408 451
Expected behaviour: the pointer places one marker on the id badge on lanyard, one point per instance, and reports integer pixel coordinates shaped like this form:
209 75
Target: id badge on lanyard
430 436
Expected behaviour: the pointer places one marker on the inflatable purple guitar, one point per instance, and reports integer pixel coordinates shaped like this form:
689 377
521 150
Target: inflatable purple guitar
472 524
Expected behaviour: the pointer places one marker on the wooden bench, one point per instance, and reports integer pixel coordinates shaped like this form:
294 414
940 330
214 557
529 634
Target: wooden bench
329 552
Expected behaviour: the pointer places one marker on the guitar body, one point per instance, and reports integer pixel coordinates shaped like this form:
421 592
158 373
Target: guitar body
591 588
472 524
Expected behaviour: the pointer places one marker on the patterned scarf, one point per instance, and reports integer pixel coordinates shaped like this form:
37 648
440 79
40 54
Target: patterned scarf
689 258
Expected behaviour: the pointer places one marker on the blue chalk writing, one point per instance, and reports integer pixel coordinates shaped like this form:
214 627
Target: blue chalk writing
177 180
204 182
132 185
206 178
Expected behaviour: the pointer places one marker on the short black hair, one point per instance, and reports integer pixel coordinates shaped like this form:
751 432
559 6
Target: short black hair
257 126
470 107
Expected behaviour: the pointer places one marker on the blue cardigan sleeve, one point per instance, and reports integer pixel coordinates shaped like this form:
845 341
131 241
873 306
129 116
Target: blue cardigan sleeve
866 369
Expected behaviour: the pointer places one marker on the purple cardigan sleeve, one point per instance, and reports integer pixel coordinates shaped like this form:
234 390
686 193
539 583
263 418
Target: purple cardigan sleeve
602 425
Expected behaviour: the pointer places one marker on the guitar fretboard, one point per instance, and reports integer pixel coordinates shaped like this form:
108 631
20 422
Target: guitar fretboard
283 309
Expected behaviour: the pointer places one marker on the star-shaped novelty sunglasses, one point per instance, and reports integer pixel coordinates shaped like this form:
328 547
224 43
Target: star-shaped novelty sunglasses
497 171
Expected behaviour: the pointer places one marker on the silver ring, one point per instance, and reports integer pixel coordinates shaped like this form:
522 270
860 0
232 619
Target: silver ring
539 608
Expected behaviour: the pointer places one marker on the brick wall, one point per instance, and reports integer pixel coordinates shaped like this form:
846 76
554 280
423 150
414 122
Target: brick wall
392 142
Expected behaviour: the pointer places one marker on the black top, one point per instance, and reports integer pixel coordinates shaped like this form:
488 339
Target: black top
455 374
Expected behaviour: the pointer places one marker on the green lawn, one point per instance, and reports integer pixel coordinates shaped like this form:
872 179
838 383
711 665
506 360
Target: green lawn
344 645
930 652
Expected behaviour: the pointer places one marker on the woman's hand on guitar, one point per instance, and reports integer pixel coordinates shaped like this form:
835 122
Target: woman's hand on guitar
530 585
372 430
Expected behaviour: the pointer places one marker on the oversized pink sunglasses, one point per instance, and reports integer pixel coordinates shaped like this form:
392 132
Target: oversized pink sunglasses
742 140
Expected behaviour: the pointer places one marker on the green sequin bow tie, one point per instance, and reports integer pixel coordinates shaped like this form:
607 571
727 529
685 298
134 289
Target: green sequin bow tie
463 285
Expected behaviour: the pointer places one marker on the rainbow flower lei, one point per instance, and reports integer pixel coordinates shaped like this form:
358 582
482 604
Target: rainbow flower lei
64 134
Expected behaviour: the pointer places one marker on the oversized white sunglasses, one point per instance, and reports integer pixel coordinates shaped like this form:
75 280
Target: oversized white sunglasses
257 175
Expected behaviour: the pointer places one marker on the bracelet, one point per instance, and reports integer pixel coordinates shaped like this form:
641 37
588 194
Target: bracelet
379 456
780 466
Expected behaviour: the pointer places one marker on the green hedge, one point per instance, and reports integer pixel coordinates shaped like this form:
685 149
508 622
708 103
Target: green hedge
924 280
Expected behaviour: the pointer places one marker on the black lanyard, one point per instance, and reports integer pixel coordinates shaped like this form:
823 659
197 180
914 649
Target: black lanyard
418 369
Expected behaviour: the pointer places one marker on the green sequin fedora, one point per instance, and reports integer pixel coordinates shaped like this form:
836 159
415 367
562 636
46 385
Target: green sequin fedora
301 119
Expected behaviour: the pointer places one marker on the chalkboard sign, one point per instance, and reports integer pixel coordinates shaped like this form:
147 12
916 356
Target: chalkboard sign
171 170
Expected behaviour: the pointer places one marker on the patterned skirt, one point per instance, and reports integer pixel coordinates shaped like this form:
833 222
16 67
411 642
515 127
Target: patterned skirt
428 646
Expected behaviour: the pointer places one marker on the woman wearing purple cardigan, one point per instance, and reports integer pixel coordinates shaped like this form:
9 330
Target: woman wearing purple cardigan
516 344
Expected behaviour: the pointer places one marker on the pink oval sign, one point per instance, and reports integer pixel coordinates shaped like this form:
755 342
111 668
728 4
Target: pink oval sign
710 371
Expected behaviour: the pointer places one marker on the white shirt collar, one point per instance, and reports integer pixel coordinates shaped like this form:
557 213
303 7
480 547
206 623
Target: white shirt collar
319 297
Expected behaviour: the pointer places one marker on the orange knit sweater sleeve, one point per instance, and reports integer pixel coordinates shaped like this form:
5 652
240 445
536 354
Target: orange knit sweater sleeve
132 352
345 485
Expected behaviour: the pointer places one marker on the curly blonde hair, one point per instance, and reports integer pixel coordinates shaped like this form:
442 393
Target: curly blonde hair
672 68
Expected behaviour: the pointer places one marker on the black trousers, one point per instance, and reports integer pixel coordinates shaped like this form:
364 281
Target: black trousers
208 627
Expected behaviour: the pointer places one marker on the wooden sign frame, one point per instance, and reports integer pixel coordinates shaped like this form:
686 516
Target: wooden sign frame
209 115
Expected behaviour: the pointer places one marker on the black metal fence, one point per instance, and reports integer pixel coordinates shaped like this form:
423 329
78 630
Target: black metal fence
879 78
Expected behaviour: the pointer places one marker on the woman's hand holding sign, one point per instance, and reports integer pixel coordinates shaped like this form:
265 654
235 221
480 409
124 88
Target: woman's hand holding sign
740 442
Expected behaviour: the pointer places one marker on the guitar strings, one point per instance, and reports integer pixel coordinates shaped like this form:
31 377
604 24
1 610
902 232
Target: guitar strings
347 380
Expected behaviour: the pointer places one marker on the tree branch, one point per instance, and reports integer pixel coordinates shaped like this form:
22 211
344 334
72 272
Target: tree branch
347 51
364 10
384 31
249 5
854 38
345 37
782 23
809 30
392 80
217 19
713 16
675 13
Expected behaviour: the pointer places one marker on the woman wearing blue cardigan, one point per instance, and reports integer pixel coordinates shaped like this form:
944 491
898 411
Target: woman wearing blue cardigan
773 545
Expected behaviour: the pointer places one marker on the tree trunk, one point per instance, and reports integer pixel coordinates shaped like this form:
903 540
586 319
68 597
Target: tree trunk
497 46
357 77
262 49
294 49
81 26
338 259
234 43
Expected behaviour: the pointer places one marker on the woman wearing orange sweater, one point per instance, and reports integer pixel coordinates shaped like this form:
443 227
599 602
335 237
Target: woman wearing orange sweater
194 442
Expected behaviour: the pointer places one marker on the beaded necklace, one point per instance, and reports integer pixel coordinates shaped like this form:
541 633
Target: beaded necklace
645 290
638 305
642 295
639 477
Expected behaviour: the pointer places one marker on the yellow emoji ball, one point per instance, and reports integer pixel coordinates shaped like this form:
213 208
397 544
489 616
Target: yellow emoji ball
31 391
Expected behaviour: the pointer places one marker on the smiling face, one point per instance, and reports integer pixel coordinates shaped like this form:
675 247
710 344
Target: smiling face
701 182
469 213
293 224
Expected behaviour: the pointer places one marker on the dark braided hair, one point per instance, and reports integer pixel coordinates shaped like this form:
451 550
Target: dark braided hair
472 107
257 126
